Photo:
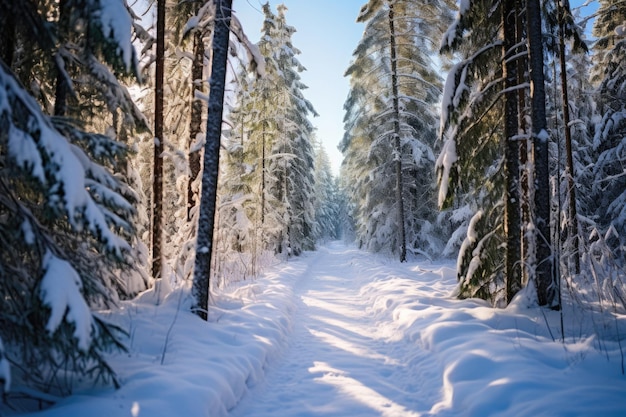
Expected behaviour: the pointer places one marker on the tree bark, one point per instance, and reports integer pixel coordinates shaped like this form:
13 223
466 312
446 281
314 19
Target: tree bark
573 216
512 221
204 245
547 289
157 183
62 88
525 197
7 33
195 124
396 136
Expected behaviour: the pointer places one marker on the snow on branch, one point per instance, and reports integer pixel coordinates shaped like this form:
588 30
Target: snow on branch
60 291
38 148
117 25
206 16
5 371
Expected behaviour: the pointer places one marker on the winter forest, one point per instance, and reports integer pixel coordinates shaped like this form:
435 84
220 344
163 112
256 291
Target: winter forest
164 193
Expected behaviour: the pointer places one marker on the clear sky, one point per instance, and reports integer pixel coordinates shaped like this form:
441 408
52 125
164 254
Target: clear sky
326 36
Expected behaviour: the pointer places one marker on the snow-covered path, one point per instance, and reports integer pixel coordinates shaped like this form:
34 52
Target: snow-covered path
340 360
343 333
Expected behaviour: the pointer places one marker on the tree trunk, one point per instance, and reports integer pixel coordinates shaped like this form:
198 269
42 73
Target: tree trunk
157 184
204 245
396 136
263 150
62 88
573 216
525 197
547 289
512 222
195 124
7 33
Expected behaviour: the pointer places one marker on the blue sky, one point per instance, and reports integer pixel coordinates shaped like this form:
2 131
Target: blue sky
327 34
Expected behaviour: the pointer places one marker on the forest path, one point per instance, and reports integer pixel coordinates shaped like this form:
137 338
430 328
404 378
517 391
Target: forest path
342 359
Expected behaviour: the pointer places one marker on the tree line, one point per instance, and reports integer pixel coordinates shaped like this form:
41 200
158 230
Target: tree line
527 143
108 145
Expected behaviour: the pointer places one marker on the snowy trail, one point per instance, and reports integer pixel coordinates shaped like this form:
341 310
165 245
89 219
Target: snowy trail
343 333
339 361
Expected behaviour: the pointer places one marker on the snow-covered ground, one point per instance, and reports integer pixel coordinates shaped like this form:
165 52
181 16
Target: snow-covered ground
340 332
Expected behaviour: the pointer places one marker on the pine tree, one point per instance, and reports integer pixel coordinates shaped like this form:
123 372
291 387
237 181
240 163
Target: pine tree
609 142
67 228
271 146
470 164
327 209
390 163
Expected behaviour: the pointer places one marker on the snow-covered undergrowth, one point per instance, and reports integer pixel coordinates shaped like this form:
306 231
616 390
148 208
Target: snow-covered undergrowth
447 357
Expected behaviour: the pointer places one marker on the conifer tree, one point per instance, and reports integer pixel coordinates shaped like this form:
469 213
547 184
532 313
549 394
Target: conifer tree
477 165
271 146
67 229
609 143
390 163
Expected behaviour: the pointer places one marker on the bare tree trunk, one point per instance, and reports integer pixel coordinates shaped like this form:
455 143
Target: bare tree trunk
195 124
157 181
7 34
62 88
396 136
525 197
512 221
547 288
204 245
573 216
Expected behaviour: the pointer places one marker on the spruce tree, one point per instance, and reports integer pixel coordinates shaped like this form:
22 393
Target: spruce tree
609 78
67 229
389 162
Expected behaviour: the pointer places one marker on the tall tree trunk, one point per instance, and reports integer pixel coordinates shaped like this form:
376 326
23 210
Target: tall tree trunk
573 216
525 197
547 288
204 245
195 124
396 135
157 183
263 150
511 154
62 87
7 33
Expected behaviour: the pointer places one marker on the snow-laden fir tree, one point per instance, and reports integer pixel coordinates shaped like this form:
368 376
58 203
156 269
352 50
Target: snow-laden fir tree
609 78
66 213
272 205
472 164
327 204
390 127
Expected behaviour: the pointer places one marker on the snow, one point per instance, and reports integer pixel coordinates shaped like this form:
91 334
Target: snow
60 290
447 158
5 371
117 24
37 141
342 332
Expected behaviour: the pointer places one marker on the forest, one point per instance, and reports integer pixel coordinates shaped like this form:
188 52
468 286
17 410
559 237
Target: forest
153 145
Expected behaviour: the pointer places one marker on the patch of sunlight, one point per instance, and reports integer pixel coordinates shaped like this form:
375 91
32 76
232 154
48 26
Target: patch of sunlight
263 339
352 348
362 393
500 381
338 308
365 332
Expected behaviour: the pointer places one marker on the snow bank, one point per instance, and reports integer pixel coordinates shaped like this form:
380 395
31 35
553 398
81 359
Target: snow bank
442 356
178 365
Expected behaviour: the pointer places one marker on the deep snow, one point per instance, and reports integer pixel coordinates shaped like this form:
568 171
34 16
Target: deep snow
340 332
